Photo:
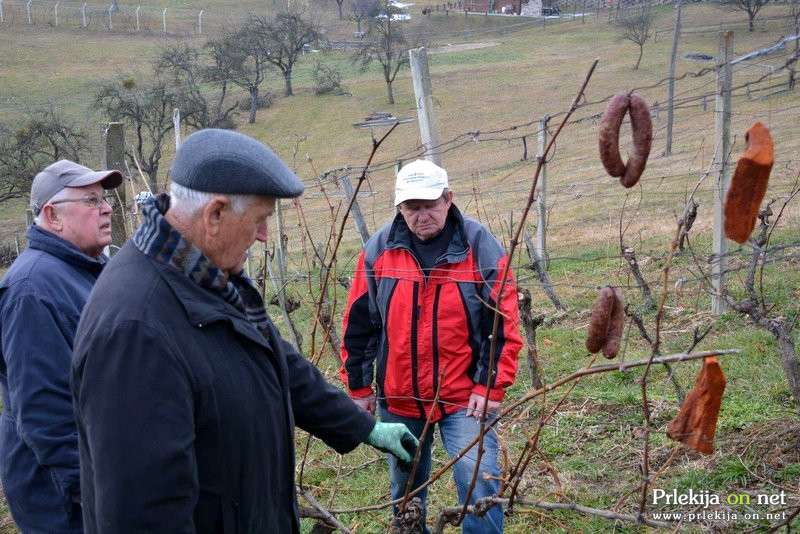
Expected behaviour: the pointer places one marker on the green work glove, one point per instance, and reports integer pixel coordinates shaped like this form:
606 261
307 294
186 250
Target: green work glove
395 439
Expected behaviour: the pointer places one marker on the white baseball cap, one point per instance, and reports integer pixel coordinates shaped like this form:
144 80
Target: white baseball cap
419 180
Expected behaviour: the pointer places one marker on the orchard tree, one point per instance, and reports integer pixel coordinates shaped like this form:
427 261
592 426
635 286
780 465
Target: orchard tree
362 10
44 137
751 7
187 70
145 106
385 43
635 27
243 53
286 37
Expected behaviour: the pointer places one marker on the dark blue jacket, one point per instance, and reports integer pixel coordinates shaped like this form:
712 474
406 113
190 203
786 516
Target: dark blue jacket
186 412
41 298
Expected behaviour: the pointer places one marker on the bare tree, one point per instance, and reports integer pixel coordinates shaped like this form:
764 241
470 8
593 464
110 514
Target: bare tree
146 108
635 27
339 4
385 43
758 309
245 59
45 137
751 7
183 62
362 10
286 37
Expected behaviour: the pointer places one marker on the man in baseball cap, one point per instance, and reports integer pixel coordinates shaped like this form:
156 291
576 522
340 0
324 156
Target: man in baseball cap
449 266
41 298
66 173
186 395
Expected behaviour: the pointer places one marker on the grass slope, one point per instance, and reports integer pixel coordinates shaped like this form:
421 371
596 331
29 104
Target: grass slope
487 99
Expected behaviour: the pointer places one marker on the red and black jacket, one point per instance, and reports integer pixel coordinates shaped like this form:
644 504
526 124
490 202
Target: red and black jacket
418 330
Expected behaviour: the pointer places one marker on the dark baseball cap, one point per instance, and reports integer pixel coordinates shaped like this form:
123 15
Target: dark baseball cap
227 162
66 173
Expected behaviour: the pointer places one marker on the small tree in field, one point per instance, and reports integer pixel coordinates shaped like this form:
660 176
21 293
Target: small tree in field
385 43
242 54
145 106
285 38
363 10
635 27
188 70
751 7
44 137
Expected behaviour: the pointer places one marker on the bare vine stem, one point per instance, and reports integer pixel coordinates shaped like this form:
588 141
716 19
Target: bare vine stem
503 279
376 143
532 394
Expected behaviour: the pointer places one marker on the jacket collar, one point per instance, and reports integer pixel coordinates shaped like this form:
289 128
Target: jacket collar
457 250
204 306
157 239
41 239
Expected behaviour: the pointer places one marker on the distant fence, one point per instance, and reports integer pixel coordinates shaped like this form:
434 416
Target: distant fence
98 17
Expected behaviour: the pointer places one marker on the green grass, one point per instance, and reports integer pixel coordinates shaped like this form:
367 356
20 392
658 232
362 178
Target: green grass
594 440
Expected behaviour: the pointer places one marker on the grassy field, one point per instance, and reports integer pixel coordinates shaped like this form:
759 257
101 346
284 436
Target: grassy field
487 99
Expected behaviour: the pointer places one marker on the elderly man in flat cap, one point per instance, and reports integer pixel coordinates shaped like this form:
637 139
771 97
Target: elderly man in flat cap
41 298
186 396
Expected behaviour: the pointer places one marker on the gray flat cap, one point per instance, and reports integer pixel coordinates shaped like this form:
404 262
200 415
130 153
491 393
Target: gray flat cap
223 161
66 173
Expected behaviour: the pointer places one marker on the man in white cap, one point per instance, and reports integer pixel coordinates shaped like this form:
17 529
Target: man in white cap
186 396
422 304
41 298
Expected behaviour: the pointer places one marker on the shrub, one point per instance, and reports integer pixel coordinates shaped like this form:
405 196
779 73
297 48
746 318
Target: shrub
328 80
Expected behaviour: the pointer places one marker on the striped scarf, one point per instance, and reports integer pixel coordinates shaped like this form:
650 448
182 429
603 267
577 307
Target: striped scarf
158 240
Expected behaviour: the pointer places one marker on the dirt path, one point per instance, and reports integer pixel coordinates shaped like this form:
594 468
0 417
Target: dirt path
459 47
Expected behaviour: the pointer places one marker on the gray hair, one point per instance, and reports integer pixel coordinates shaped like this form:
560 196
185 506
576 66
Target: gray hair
61 195
189 201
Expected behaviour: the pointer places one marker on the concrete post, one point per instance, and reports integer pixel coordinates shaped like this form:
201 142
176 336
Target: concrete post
722 128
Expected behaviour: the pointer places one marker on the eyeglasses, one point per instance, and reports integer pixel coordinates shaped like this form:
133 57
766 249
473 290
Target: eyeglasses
92 201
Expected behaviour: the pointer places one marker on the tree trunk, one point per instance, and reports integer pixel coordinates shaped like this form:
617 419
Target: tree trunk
340 2
792 69
389 95
287 79
152 180
530 323
253 105
750 21
786 347
641 52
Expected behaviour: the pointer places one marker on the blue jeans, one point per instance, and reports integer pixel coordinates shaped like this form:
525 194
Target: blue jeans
456 430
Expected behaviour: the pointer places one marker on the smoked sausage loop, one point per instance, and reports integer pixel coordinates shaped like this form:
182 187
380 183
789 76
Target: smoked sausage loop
642 130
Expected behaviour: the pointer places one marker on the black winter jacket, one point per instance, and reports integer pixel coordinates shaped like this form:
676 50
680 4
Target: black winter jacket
41 298
186 413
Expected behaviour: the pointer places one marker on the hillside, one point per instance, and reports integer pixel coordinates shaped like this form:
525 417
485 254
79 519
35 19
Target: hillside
494 79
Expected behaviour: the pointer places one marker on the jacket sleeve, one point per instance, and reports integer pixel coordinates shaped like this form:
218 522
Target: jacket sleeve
38 358
322 409
135 410
509 341
359 334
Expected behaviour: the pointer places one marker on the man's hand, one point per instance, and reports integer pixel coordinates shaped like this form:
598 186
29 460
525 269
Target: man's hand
366 403
475 406
395 439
